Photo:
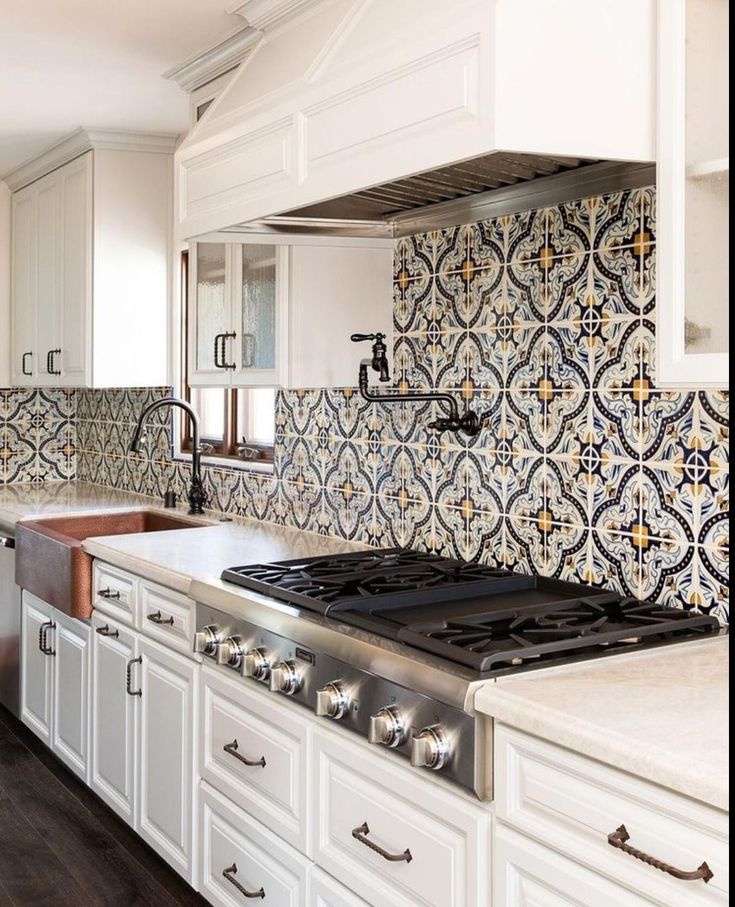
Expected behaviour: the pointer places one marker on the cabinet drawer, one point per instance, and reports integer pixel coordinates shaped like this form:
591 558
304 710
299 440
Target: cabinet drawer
324 891
529 875
240 722
168 617
573 804
241 858
364 801
115 593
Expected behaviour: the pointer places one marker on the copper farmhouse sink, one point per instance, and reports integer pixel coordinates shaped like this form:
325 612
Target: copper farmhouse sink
50 561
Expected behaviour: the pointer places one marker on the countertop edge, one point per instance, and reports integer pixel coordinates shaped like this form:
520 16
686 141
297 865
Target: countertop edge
615 750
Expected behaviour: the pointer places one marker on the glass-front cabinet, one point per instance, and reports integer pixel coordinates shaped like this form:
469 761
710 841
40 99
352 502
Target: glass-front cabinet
238 294
693 193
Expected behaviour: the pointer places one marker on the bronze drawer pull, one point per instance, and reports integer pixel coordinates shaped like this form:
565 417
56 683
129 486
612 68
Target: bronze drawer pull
108 593
231 750
229 874
129 676
106 631
620 836
360 834
158 618
42 643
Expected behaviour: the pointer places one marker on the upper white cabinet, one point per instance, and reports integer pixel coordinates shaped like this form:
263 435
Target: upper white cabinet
347 95
278 312
693 193
90 263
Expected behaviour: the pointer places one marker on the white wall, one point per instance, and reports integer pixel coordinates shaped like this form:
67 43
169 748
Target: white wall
4 285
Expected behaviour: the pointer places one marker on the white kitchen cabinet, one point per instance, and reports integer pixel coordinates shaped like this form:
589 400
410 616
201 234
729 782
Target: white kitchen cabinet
114 715
529 875
324 891
279 312
36 673
166 755
90 236
55 680
70 720
693 192
24 356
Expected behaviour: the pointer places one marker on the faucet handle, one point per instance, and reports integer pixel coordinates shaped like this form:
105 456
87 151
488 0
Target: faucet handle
357 338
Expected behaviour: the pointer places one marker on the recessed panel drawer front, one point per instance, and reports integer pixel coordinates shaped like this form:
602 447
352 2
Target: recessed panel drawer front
399 838
242 862
115 593
573 804
168 617
324 891
255 752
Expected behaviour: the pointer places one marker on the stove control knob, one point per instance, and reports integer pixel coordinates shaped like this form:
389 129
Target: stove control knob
387 727
255 664
430 748
207 640
229 652
286 678
331 701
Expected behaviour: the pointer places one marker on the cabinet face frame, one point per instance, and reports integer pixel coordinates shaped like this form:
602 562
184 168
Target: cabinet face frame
674 366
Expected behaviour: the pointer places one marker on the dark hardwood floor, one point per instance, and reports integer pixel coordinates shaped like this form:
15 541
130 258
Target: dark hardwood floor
60 846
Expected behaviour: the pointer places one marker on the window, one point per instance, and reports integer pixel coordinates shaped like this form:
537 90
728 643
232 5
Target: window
235 423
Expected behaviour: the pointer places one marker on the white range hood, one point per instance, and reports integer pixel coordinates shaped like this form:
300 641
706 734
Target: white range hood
340 96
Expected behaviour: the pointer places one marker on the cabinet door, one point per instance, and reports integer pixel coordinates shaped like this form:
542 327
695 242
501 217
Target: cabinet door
693 193
210 314
166 754
36 671
70 725
76 269
114 714
23 293
260 302
48 278
324 891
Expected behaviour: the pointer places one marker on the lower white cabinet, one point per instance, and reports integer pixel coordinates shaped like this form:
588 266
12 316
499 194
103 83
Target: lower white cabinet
55 680
324 891
144 718
243 860
528 874
166 747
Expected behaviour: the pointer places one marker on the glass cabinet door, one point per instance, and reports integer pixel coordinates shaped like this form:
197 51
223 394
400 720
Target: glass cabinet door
258 310
693 193
210 311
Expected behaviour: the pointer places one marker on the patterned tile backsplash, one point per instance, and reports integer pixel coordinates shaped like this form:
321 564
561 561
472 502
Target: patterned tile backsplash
585 470
37 435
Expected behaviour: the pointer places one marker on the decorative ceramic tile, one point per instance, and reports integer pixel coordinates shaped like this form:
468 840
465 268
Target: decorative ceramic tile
349 471
528 278
529 370
614 562
348 512
412 363
663 513
450 250
487 243
570 228
485 300
563 371
526 236
618 220
621 513
567 286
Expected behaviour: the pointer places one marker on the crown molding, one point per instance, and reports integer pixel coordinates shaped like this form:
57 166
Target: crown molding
215 61
265 14
82 140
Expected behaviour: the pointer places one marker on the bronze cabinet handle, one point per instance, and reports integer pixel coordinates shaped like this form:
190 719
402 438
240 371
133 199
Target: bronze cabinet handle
42 631
231 750
228 366
229 874
129 676
158 618
360 834
23 363
619 839
106 631
108 593
50 363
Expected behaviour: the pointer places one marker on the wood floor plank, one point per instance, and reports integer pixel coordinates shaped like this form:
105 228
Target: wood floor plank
101 855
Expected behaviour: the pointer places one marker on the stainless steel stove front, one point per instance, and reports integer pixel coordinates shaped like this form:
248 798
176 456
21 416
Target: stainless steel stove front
431 734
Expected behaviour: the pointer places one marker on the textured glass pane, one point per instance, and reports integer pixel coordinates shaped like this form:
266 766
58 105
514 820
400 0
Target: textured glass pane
258 306
707 196
211 302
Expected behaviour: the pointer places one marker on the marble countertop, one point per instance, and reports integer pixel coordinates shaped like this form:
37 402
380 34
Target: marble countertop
173 558
662 715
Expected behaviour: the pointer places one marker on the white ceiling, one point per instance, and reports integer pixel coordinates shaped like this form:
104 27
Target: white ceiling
96 63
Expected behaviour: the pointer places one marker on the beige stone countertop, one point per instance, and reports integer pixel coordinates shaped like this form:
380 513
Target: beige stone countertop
173 558
662 714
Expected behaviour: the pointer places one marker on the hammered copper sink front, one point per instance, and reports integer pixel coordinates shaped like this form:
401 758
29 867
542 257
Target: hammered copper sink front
51 563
